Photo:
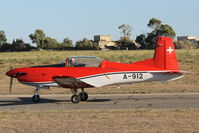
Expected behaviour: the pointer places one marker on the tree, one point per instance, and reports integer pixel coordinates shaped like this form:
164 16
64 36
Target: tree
19 45
126 30
141 39
3 38
50 43
42 40
166 30
159 29
66 43
125 43
7 47
38 37
86 44
154 23
16 45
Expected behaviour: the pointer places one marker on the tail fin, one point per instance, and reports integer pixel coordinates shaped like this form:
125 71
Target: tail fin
165 55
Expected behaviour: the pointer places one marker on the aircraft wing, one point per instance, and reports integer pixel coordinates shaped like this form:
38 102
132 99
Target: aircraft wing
70 82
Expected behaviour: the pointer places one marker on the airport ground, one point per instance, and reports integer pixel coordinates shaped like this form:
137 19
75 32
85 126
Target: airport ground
136 120
122 121
110 113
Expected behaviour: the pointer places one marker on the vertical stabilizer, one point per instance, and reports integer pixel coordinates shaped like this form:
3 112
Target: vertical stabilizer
165 55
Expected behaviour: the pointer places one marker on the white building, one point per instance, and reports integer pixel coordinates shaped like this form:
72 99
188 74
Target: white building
104 41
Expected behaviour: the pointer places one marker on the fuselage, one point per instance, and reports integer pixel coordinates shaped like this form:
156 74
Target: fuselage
108 73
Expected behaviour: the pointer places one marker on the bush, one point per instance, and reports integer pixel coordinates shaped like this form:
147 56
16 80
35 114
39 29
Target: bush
86 44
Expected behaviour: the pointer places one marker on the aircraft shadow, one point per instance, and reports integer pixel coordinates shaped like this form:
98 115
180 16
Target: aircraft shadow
99 100
26 101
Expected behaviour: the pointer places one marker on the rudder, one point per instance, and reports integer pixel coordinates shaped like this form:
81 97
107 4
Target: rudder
165 55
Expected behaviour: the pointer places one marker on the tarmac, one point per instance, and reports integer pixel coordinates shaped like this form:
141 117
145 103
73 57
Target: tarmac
101 102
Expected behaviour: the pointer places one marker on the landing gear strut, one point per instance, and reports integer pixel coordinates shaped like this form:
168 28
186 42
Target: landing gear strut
76 98
36 96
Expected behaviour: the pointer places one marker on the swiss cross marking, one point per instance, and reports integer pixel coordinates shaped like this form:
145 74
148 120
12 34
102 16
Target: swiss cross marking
170 50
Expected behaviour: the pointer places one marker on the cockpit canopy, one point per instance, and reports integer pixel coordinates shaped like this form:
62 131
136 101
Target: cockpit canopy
77 61
81 61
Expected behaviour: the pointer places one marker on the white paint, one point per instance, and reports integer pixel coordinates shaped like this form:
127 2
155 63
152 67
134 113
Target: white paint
102 80
41 84
170 50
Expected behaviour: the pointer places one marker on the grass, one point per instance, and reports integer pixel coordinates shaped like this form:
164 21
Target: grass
127 121
188 60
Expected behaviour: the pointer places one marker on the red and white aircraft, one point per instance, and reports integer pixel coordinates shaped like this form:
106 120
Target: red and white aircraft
79 72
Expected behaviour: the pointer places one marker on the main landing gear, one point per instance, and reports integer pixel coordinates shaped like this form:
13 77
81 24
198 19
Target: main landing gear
76 98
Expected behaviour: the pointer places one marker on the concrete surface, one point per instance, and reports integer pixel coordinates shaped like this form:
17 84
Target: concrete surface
101 102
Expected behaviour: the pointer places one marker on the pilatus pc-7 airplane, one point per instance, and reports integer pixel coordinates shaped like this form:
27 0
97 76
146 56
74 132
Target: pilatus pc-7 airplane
79 72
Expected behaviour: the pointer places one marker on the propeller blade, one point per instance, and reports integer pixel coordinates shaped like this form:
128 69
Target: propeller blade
11 81
10 67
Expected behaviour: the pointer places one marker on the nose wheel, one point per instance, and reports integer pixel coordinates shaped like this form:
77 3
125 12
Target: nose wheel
36 98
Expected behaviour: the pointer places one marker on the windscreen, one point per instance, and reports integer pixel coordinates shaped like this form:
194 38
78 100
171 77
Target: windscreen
84 61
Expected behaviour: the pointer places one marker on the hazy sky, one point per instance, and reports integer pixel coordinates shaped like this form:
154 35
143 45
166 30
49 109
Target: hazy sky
84 18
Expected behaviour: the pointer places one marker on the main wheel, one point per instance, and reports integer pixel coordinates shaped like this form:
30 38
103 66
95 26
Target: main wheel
83 96
75 99
36 98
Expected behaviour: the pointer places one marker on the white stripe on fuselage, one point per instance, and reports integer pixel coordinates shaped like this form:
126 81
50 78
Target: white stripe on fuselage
123 77
129 77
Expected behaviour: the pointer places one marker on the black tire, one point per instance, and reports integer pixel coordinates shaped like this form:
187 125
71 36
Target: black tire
35 98
83 96
75 99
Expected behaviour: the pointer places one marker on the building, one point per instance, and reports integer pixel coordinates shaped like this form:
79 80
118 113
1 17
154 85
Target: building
193 39
104 41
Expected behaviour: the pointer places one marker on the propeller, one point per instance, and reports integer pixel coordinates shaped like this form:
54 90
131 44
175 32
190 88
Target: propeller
11 81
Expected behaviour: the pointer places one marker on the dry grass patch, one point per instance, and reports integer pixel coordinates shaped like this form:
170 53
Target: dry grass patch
134 121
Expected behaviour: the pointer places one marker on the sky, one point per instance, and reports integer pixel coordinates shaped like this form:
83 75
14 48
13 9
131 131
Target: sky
77 19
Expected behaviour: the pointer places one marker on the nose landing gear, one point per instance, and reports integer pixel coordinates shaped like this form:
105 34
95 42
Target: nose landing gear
36 96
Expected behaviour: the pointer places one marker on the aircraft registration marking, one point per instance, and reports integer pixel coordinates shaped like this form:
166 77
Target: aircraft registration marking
133 76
